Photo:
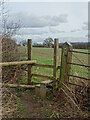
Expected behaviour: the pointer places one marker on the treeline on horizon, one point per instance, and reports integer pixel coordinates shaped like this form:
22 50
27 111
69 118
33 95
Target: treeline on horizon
76 45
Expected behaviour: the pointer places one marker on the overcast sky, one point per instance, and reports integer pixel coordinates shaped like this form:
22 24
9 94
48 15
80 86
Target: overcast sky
48 0
57 20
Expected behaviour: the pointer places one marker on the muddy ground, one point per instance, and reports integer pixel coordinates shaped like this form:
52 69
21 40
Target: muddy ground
24 104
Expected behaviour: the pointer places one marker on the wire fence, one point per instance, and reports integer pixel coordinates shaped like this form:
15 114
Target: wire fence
79 77
79 65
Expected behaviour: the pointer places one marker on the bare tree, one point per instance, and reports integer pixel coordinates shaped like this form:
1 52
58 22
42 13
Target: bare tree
48 42
23 43
10 51
9 27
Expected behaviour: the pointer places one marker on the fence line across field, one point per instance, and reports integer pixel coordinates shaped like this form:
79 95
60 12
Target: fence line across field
32 63
66 62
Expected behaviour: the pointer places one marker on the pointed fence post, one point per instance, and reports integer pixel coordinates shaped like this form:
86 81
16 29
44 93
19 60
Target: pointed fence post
55 70
29 58
66 57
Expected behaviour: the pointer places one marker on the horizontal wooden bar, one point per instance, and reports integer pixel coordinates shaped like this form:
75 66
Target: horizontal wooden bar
20 86
79 52
43 76
43 65
4 64
79 64
79 77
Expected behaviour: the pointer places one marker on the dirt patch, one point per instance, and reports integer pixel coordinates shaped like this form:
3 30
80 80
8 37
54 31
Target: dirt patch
24 104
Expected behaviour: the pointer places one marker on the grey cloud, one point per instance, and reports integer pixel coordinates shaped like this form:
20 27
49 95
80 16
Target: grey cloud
85 23
76 30
32 31
40 21
85 26
73 31
38 31
53 30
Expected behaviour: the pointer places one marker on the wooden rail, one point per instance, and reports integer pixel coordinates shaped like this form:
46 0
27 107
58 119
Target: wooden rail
79 52
18 86
45 65
6 64
43 76
79 64
78 77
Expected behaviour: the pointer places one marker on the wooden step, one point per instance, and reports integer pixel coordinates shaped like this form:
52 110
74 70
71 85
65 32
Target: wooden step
41 89
46 82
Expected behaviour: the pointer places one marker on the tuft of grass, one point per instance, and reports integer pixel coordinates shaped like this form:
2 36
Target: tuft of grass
21 107
36 80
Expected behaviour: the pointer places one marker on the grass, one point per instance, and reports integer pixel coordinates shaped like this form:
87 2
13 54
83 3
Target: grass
19 105
45 56
21 108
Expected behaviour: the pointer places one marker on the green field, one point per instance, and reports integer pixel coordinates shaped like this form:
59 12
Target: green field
45 56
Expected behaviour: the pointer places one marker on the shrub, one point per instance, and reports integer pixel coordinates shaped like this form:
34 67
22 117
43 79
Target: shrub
10 52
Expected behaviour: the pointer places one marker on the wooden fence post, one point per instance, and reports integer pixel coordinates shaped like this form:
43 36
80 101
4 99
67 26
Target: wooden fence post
65 68
29 58
55 70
